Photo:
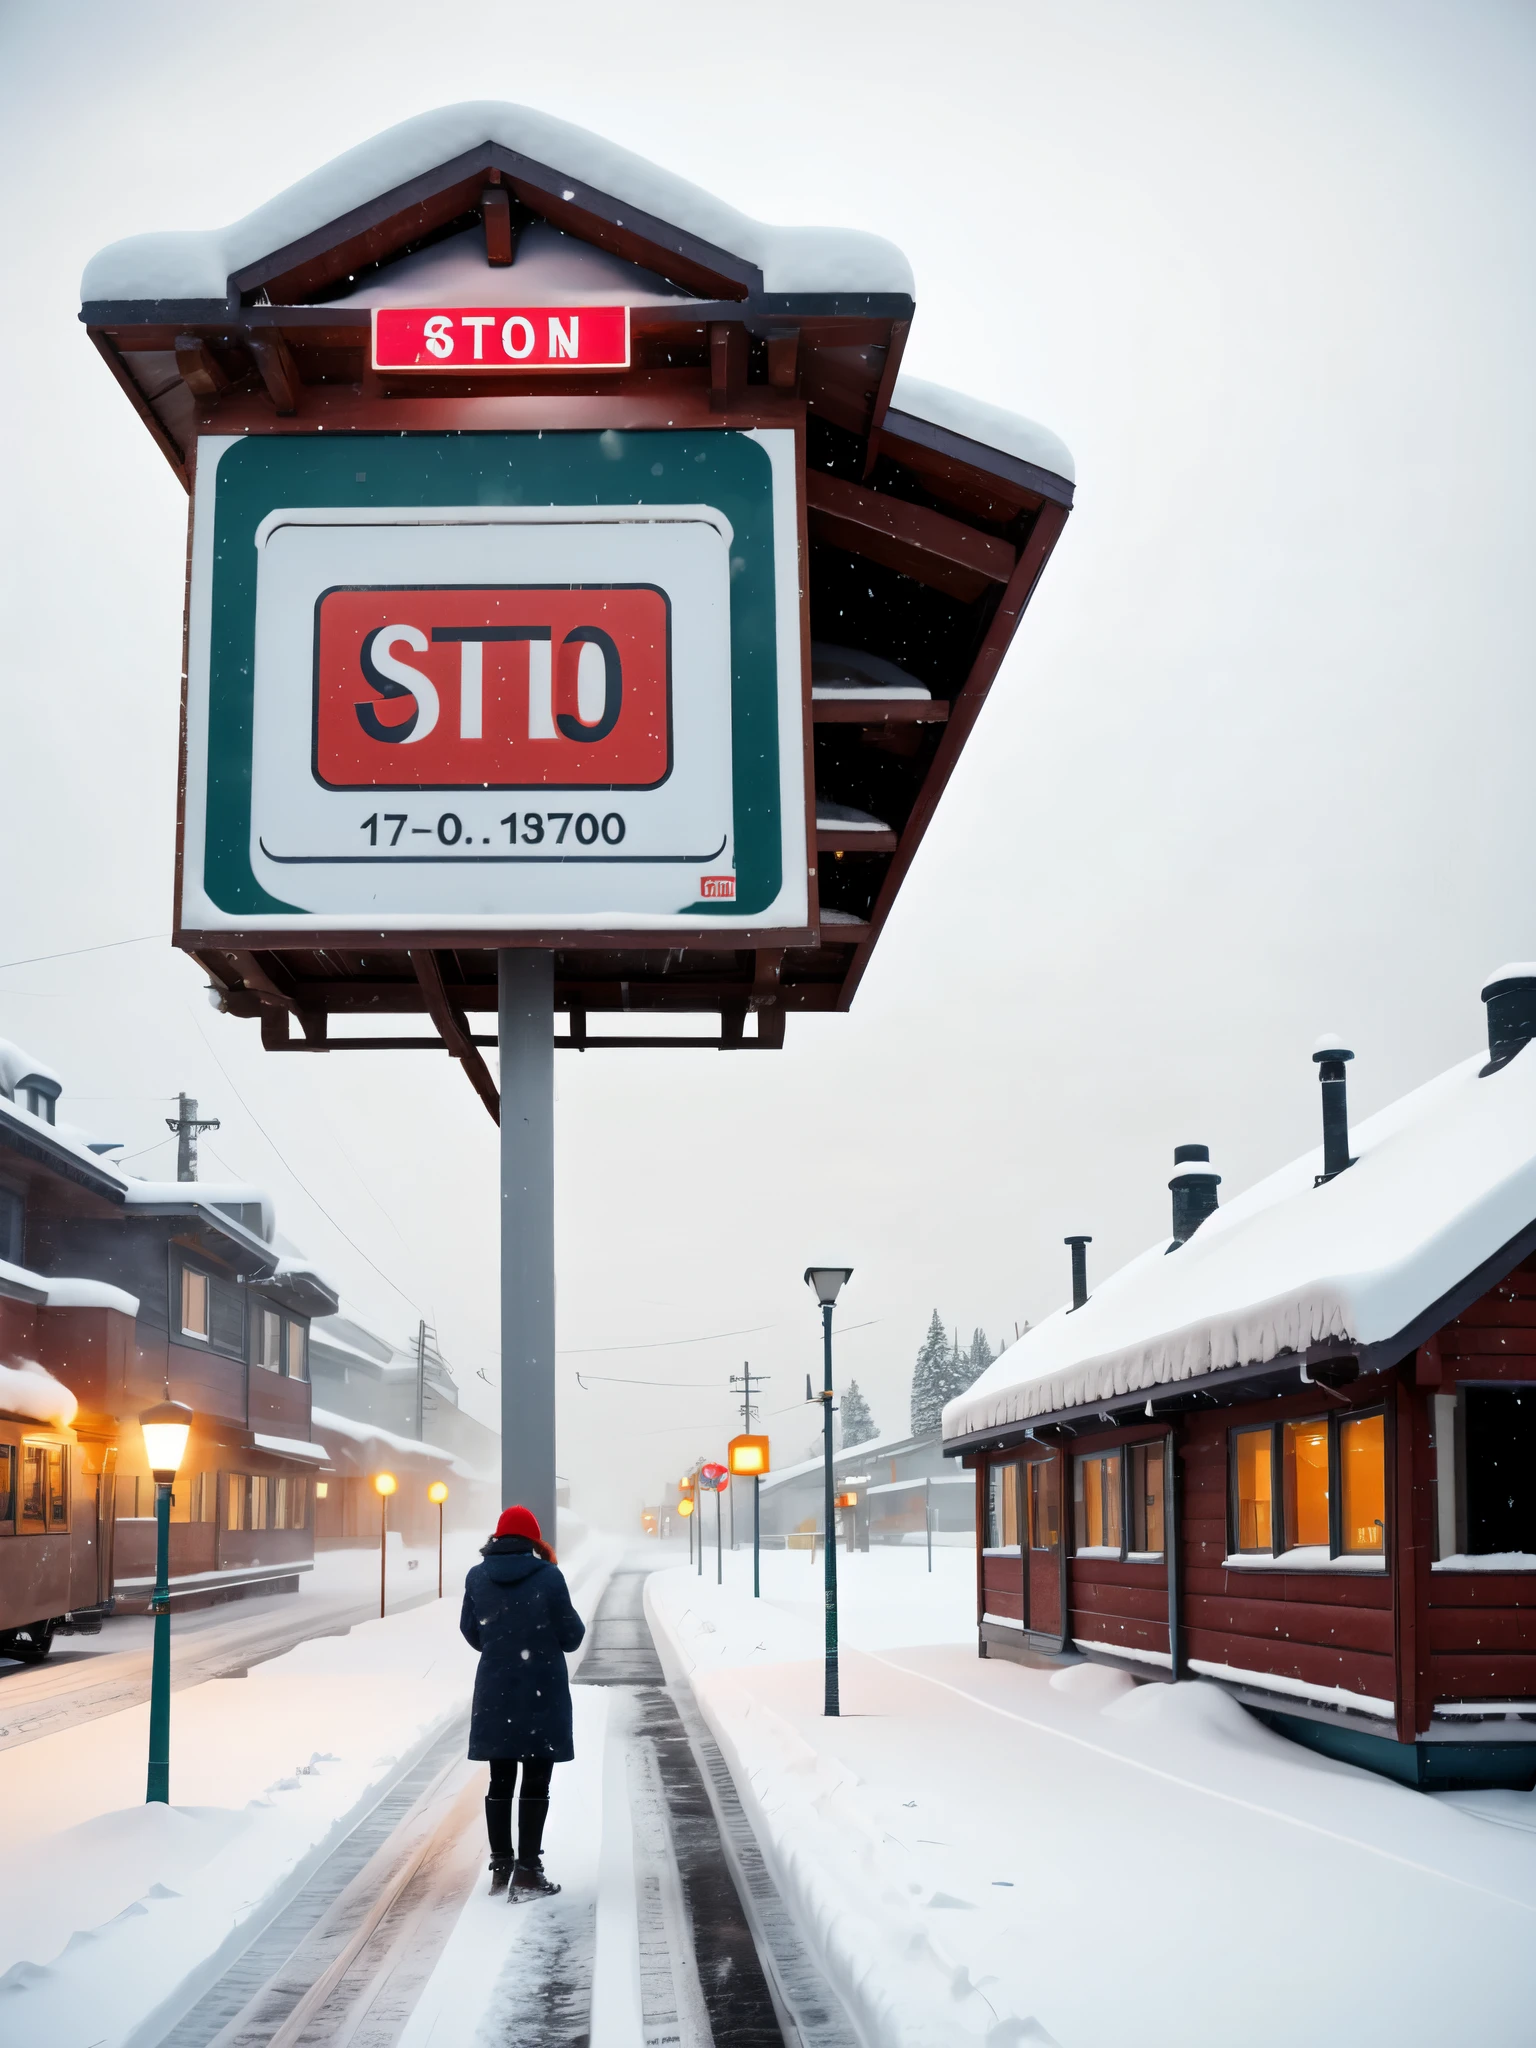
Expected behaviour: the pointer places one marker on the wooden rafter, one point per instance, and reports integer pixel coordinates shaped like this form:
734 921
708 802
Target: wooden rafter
928 546
454 1026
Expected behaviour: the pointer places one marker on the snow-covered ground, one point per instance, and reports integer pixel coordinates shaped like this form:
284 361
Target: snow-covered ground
112 1911
985 1853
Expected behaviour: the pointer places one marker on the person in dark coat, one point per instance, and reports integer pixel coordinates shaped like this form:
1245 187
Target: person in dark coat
518 1615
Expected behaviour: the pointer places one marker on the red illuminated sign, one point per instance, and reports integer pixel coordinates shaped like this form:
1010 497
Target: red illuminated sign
505 687
471 338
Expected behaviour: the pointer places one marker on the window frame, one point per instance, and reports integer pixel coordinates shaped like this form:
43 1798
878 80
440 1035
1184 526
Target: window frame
1462 1505
185 1273
999 1471
1106 1552
265 1316
1148 1446
1279 1549
10 1460
183 1262
44 1525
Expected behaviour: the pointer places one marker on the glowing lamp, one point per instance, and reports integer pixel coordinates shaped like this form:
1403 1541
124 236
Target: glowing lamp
385 1483
827 1281
165 1430
685 1507
437 1492
846 1500
747 1456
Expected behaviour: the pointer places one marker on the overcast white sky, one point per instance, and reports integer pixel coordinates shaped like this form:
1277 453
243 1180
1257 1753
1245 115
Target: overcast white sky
1259 763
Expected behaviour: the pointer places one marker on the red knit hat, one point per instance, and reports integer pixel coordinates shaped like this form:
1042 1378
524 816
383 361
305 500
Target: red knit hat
519 1522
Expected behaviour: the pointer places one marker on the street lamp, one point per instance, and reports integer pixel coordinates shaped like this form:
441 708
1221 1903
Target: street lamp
747 1457
384 1484
438 1491
165 1429
715 1479
826 1282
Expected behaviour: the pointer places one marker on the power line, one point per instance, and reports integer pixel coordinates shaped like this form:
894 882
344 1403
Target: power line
74 952
662 1343
256 1120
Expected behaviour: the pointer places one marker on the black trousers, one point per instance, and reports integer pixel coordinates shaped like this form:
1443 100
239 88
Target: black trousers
536 1775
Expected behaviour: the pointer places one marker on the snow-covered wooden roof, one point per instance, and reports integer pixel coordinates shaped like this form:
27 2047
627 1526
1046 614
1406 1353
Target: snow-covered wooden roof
1442 1194
569 166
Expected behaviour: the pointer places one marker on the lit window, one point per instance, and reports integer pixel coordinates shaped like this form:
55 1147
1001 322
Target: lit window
1147 1479
194 1303
322 1489
1096 1503
1255 1489
269 1348
1044 1505
298 1351
1306 1485
1002 1507
1363 1485
235 1500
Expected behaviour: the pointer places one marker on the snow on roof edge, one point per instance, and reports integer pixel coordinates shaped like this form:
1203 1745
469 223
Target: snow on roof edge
1444 1178
990 426
193 264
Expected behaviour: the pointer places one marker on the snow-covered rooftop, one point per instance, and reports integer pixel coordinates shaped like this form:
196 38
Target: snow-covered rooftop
990 426
872 1447
17 1065
1444 1178
199 264
227 1196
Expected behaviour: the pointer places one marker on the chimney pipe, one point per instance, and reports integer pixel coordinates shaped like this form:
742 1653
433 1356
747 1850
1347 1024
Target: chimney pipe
1079 1268
1511 999
1330 1053
1194 1186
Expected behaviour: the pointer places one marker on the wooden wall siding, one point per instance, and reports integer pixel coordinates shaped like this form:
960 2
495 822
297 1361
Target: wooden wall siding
279 1406
192 1549
1497 1330
1002 1587
18 1325
239 1548
91 1351
207 1381
1321 1628
1123 1606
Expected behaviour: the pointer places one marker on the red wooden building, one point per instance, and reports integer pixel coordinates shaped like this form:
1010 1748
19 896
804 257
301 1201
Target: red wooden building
1292 1448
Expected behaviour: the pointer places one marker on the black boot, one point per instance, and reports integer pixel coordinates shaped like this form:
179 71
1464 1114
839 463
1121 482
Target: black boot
498 1829
528 1879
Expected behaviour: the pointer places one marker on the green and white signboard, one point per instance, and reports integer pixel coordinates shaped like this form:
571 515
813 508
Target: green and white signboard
490 682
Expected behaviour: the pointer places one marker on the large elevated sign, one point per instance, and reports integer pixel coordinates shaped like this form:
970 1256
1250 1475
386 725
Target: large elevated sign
512 682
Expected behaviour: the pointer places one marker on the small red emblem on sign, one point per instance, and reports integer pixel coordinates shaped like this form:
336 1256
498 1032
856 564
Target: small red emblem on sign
717 885
459 339
517 686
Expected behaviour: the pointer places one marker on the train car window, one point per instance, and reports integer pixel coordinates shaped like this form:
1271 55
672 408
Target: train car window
34 1484
7 1483
58 1486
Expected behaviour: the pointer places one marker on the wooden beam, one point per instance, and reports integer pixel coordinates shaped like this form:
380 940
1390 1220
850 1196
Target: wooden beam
496 215
928 546
1033 556
784 360
847 839
279 372
201 371
141 405
876 710
451 1022
893 354
727 364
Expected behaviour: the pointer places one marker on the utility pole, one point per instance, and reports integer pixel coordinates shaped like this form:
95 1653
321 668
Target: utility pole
421 1379
186 1124
746 1380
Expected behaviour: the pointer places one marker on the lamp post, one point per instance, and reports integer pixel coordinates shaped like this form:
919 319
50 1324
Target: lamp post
438 1491
165 1429
384 1484
827 1282
714 1479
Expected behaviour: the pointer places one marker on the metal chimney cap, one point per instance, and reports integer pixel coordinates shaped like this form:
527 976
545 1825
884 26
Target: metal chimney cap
1186 1171
1514 971
1331 1046
1077 1240
1183 1152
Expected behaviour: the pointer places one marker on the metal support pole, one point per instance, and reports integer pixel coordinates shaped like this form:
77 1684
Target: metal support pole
526 1023
830 1547
719 1553
439 1550
383 1545
928 1517
158 1788
757 1589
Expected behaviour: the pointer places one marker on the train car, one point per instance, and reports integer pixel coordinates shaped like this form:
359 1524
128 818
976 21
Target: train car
55 1535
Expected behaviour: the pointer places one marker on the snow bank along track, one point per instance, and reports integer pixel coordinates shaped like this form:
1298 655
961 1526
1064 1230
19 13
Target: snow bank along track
721 1964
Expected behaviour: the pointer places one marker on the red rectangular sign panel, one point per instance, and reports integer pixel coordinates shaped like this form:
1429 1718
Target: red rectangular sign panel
509 687
469 338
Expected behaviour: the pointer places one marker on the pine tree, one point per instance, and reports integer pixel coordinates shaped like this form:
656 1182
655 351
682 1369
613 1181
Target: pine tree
858 1424
929 1379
